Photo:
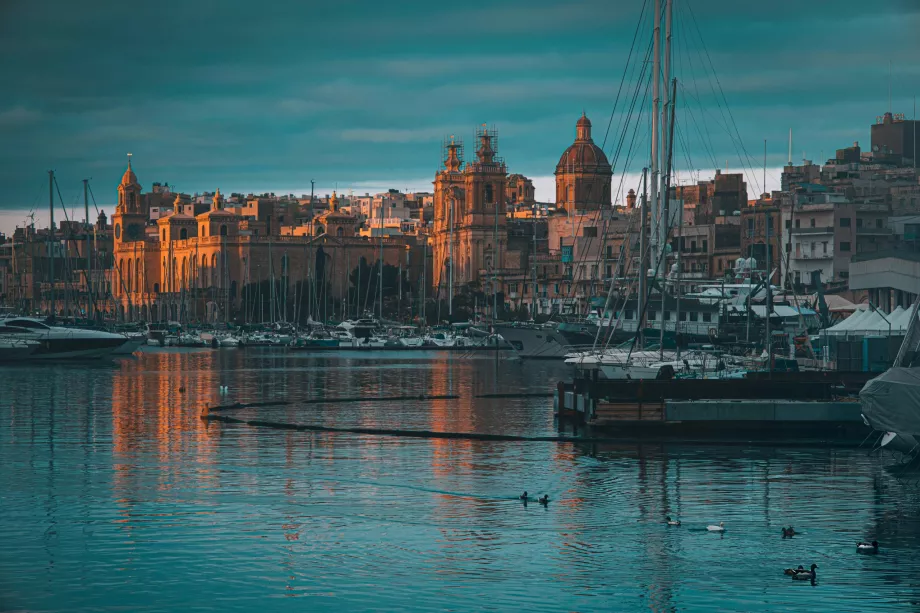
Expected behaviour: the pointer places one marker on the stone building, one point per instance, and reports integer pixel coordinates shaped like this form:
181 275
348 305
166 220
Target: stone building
469 214
583 174
250 263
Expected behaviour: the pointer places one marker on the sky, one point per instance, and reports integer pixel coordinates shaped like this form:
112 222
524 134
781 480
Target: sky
359 95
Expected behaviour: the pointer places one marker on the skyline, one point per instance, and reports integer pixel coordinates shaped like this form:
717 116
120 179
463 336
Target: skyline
248 101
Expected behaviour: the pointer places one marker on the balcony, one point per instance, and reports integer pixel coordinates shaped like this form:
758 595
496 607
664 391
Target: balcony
873 231
821 230
815 256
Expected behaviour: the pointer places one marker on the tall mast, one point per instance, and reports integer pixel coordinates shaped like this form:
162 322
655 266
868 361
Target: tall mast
89 293
450 256
656 103
382 205
51 237
666 218
533 294
643 247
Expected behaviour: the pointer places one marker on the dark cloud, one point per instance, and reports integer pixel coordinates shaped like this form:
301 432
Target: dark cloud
248 95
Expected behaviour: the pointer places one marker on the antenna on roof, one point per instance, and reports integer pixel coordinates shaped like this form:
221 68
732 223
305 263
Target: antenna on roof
790 147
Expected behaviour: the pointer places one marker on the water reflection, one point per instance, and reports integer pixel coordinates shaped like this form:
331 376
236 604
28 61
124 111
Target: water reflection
115 488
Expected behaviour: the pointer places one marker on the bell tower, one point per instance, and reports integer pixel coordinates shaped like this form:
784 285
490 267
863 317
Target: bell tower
130 214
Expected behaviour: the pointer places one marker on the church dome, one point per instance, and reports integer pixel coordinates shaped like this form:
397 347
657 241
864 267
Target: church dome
583 155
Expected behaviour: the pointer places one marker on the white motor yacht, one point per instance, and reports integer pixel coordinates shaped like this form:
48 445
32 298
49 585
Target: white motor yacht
14 350
56 343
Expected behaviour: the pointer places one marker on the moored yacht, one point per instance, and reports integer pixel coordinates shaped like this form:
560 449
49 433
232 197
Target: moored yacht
56 343
14 350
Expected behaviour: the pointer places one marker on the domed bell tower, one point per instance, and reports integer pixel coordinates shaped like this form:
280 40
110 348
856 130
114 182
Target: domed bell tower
130 214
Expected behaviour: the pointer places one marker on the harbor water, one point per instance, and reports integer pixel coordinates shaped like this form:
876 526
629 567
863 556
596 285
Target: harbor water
116 496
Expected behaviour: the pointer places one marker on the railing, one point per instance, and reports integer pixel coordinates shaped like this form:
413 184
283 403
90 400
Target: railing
818 230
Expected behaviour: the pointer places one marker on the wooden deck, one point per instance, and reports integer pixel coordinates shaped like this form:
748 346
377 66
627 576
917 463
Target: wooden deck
607 413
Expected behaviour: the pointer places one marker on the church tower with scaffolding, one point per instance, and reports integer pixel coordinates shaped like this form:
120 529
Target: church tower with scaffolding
469 214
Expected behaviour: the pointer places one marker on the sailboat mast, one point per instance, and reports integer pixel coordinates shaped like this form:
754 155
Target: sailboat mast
450 258
643 248
87 274
51 238
656 103
533 294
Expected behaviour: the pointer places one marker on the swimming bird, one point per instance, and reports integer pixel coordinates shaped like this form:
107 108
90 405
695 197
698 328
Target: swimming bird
867 547
805 575
523 496
544 500
719 528
671 522
788 532
792 571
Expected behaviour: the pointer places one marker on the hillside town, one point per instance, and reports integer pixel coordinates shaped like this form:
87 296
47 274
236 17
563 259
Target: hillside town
479 246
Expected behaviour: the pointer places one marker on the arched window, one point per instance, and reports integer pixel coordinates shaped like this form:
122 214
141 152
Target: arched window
223 230
340 232
204 230
214 277
571 195
156 288
183 234
164 235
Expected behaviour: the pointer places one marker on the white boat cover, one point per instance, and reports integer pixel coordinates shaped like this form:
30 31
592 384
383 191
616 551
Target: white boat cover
891 401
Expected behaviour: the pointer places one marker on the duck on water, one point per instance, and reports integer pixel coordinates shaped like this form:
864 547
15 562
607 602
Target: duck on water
869 548
719 528
806 575
788 532
672 522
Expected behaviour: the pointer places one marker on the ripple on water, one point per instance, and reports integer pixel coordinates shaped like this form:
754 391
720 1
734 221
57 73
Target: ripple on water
115 496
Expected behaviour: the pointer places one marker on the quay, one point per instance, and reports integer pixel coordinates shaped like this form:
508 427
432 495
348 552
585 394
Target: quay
813 407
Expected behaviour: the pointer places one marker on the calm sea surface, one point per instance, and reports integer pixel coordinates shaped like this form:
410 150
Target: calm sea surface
115 496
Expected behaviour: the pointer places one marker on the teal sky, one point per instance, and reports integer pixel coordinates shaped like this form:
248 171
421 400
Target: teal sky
265 96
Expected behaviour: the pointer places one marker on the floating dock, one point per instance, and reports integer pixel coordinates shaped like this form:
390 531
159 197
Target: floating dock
742 410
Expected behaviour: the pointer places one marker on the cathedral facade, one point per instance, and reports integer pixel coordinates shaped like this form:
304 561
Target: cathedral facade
469 230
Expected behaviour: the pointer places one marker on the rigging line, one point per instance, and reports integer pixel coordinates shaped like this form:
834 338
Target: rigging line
625 70
727 107
584 258
686 109
707 139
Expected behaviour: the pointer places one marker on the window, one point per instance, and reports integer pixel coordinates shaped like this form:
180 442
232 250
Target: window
750 227
878 222
589 232
694 316
628 314
705 246
798 223
183 234
683 316
788 223
692 246
204 230
824 244
164 236
844 275
844 246
844 222
556 288
487 197
707 317
653 315
859 222
223 230
609 251
812 221
720 265
609 271
667 315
